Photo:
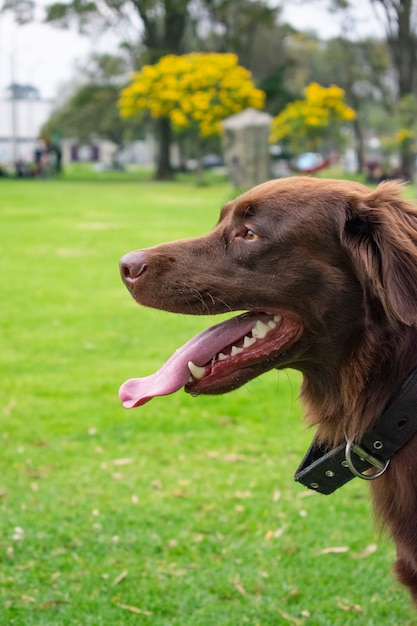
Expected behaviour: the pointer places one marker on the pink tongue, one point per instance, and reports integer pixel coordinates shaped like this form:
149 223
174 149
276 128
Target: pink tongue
174 374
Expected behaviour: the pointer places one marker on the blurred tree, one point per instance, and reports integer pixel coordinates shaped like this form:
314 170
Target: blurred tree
251 29
235 24
315 122
400 23
303 51
362 68
164 24
194 92
401 29
22 9
399 19
274 84
91 110
179 26
247 27
406 112
106 68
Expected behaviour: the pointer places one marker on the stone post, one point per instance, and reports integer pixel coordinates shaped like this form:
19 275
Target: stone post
246 147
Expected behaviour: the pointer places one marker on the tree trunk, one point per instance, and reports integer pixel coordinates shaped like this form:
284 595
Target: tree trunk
359 145
407 161
402 40
163 35
163 132
199 154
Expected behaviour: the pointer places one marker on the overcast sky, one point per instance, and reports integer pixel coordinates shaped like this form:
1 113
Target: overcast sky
46 57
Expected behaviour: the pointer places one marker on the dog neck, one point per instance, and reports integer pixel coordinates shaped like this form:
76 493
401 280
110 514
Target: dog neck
348 405
325 470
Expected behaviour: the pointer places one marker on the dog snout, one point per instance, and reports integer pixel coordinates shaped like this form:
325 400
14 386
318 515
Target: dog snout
132 266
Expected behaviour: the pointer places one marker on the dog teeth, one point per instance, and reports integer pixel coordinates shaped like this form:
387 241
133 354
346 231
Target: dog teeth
248 341
196 371
260 330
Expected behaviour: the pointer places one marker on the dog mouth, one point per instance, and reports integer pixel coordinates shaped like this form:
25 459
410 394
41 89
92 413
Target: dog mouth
219 359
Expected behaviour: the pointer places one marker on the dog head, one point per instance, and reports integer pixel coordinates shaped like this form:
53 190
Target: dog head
312 262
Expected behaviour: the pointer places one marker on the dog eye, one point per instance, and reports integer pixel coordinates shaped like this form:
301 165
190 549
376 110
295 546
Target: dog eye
250 235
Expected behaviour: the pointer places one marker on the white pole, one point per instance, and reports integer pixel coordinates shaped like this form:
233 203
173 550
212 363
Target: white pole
13 109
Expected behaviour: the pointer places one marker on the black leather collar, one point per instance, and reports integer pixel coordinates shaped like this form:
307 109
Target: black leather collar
326 470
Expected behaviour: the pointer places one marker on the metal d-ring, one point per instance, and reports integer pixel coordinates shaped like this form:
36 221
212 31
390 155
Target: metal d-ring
363 454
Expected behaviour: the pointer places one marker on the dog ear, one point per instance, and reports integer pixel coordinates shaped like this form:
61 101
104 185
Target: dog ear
380 233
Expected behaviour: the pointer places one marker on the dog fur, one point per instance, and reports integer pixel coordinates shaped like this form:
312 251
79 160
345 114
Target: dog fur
338 262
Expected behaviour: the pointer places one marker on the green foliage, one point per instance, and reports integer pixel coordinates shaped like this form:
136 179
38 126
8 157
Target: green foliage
91 111
22 9
277 95
183 512
234 26
62 14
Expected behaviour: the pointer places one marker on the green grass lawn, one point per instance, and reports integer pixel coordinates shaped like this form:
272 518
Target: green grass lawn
182 512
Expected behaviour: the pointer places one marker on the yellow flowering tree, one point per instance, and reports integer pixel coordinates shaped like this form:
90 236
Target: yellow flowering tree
315 122
195 92
406 134
398 147
394 150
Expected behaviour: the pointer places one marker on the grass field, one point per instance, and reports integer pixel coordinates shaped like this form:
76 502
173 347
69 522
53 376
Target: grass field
179 513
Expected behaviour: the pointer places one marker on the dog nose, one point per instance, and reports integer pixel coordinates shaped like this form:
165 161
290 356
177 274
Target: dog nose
132 265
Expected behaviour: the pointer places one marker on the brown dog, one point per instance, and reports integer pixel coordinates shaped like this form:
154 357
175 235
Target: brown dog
326 271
